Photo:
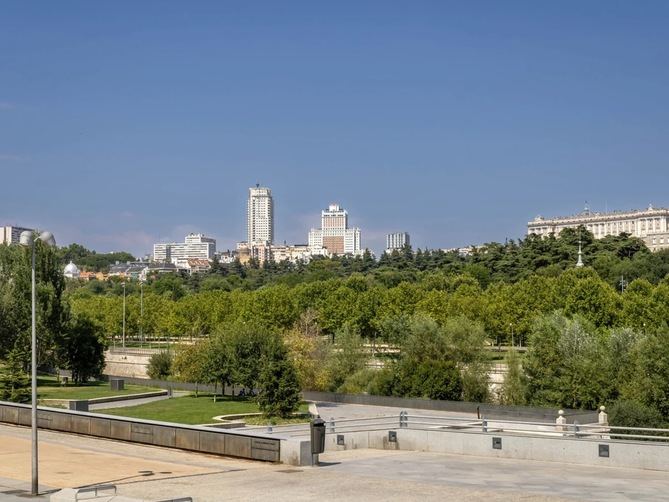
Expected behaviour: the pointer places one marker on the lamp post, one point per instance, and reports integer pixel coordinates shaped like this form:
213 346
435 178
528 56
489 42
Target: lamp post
141 311
28 239
513 344
123 334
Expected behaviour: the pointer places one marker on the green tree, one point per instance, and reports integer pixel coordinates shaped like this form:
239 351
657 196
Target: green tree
190 364
513 390
160 365
279 389
347 358
14 382
80 349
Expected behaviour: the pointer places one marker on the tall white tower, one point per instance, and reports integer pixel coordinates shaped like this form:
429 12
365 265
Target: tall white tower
260 216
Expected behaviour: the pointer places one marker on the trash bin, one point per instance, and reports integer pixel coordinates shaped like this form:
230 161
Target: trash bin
117 383
317 436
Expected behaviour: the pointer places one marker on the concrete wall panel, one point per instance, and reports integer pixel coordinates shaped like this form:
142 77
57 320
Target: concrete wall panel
141 433
187 439
80 424
101 427
24 417
212 442
238 446
60 422
120 430
164 436
9 415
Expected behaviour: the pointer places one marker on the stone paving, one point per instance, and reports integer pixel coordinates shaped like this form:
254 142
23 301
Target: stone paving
153 473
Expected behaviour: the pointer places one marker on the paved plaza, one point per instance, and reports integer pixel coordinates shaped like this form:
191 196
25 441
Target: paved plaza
154 473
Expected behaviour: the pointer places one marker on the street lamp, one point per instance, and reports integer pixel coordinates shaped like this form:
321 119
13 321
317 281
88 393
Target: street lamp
141 311
123 337
28 238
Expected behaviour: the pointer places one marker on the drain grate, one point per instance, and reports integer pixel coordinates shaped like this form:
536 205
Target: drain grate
288 471
14 492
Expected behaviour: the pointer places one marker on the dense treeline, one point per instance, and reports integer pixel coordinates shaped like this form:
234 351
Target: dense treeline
613 258
506 311
89 260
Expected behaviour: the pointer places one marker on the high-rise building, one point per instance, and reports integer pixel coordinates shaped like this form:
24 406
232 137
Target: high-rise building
651 225
334 237
397 241
260 216
194 246
11 234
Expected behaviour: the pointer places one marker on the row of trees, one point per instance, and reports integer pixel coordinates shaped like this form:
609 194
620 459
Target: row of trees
377 312
614 259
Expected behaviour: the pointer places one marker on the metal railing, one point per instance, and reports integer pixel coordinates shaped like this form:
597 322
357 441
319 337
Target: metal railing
474 425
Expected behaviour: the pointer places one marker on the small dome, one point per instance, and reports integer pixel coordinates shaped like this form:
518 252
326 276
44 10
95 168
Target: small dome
71 270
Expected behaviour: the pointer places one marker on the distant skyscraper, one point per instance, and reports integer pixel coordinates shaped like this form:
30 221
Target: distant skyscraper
334 237
260 216
397 241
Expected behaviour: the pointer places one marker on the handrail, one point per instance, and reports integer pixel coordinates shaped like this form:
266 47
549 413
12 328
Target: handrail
465 424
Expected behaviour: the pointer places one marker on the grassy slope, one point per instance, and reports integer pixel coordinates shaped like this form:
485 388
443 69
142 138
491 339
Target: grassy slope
49 388
189 409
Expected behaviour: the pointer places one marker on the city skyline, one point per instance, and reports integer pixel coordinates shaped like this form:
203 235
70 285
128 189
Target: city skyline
453 123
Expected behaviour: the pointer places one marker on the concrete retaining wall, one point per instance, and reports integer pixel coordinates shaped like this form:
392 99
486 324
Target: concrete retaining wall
628 454
126 365
251 445
492 411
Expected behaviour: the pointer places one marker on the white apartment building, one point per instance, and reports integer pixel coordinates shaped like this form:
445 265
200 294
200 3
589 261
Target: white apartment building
397 241
651 225
11 235
195 246
334 237
260 216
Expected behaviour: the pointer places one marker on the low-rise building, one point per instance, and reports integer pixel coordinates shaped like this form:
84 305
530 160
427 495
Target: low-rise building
127 270
194 246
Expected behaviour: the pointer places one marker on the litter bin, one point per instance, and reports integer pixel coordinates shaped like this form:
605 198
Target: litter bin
117 383
317 436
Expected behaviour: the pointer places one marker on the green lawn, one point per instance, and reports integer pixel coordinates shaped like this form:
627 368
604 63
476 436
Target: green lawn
49 388
189 409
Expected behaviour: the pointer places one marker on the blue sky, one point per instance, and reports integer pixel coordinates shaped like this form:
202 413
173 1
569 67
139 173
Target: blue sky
123 123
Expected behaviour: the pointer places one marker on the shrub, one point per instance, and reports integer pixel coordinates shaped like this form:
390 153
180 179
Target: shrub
160 365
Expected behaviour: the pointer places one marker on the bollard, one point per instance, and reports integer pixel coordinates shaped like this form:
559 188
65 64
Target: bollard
484 425
269 428
603 416
577 428
332 425
560 421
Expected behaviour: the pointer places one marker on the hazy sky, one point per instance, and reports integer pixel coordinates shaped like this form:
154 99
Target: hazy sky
125 123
